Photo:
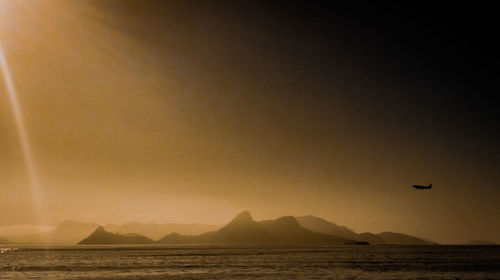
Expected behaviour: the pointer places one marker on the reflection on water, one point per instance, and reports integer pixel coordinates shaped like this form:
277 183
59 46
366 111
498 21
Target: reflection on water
252 262
4 250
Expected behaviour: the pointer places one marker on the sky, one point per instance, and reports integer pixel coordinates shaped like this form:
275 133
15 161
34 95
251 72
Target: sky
193 111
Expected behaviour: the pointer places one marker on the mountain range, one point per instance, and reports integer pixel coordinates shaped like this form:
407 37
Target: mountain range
323 226
242 229
71 232
157 231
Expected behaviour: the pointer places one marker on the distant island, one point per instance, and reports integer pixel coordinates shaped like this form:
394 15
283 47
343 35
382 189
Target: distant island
321 225
243 229
102 237
404 239
157 231
72 232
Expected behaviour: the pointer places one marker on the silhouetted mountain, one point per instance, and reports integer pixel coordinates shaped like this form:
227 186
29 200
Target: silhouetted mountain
102 237
323 226
481 242
370 237
175 238
403 239
68 232
71 232
243 229
156 231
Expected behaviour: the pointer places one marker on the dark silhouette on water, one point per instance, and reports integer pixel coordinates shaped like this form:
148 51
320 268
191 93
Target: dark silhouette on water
157 231
323 226
71 232
243 229
403 239
419 187
102 237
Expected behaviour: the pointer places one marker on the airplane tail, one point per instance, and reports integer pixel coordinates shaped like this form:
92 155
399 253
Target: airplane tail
430 185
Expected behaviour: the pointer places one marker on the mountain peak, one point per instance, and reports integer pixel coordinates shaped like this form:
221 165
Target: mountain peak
244 216
244 219
99 229
101 236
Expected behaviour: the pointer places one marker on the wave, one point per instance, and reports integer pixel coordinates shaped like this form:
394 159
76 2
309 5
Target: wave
5 250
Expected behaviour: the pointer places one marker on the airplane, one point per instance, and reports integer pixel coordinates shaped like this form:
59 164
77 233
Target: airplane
418 187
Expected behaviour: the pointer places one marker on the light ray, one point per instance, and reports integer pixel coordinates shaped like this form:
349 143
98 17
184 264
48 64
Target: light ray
22 133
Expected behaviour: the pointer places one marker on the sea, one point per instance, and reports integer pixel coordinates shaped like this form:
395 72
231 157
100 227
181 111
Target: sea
250 262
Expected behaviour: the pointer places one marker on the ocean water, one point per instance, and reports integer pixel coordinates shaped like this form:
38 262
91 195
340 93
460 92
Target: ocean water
251 262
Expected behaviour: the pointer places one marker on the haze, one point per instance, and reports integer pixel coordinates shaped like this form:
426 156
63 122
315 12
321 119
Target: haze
182 111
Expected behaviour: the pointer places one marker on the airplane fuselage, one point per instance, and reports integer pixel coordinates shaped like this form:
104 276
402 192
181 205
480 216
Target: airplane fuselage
419 187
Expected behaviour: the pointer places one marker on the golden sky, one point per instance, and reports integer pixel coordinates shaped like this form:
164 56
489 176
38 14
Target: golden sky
180 112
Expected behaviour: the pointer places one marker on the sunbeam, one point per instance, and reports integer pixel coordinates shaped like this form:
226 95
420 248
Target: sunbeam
21 130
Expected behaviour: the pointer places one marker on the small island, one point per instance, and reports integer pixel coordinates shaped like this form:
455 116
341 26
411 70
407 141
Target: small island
102 237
